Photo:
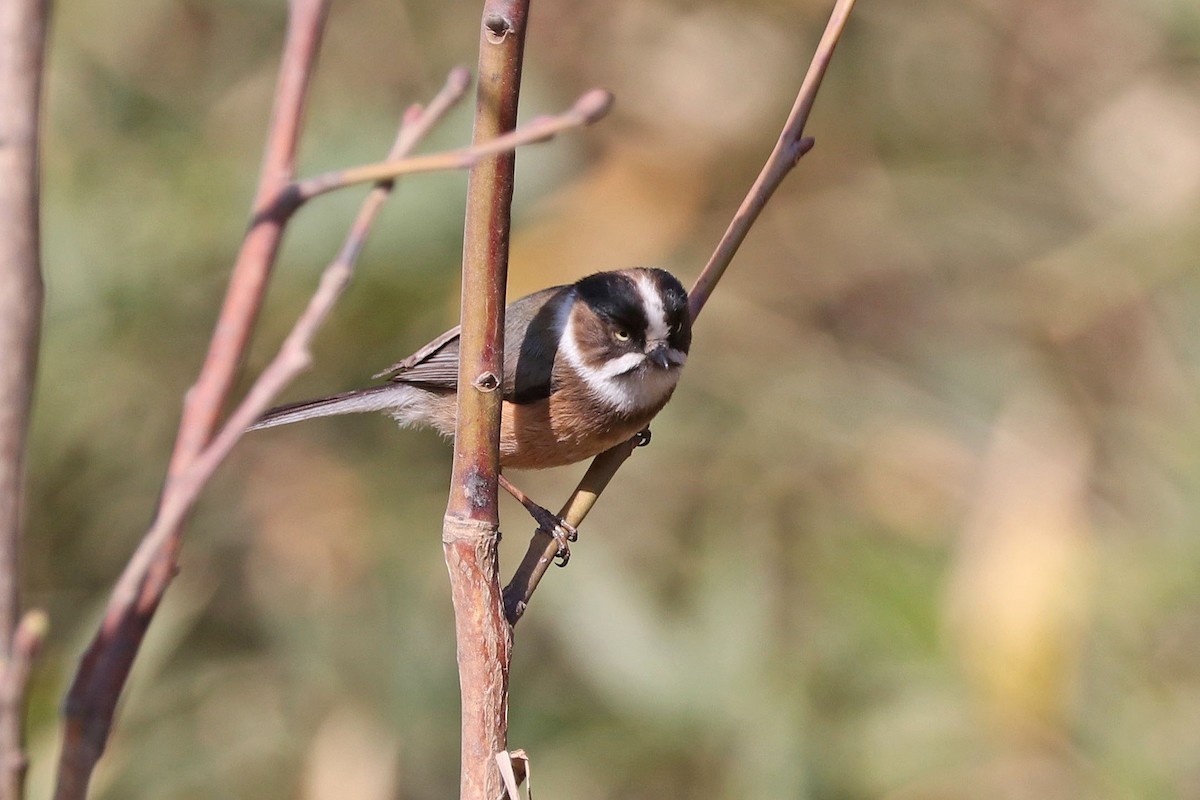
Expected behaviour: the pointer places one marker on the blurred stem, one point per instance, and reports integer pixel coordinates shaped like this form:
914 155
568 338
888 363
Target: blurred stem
22 54
591 106
294 356
92 698
247 285
470 534
789 149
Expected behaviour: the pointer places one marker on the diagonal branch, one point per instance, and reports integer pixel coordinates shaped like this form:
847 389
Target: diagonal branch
590 106
247 285
92 698
125 621
789 149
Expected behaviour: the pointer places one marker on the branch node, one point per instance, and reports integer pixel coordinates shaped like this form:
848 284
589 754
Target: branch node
801 147
460 529
497 27
487 382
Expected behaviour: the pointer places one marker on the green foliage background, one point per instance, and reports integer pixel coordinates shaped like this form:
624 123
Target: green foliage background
921 522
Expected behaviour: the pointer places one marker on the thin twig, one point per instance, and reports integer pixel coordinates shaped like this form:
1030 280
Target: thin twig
247 285
22 53
471 530
291 359
591 106
293 356
789 149
92 698
543 547
14 683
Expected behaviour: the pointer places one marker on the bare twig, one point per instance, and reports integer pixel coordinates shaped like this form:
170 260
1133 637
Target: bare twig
470 534
22 53
205 401
293 356
92 698
543 547
590 106
14 682
291 359
789 149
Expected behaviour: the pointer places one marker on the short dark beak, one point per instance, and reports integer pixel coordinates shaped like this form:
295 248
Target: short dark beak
659 357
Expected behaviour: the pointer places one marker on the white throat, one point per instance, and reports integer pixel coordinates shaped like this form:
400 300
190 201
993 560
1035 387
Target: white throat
618 382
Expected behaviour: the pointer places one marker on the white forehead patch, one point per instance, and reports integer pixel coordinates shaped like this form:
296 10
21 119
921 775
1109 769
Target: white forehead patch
656 315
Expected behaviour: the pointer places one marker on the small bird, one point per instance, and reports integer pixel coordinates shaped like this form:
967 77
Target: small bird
586 366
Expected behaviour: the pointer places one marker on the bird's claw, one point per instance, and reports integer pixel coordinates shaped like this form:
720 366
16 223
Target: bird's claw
557 528
641 438
563 532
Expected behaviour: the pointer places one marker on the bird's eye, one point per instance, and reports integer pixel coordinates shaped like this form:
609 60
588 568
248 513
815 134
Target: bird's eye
621 335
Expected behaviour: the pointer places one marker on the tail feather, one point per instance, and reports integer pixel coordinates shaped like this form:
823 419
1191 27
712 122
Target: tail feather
388 397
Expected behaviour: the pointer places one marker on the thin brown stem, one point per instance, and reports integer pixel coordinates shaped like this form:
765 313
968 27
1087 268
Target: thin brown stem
294 356
22 54
590 107
27 642
92 698
205 401
542 547
470 534
291 359
789 149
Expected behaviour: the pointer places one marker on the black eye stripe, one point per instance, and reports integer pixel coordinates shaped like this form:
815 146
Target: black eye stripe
615 299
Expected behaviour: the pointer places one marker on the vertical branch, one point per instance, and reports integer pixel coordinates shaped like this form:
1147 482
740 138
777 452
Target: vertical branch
22 54
470 534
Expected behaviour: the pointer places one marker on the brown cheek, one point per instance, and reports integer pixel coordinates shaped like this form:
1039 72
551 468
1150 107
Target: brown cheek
595 344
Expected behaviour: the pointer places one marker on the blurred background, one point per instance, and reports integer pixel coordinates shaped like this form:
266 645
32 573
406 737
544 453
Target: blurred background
920 523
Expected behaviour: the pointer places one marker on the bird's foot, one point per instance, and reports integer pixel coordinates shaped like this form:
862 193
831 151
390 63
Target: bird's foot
558 528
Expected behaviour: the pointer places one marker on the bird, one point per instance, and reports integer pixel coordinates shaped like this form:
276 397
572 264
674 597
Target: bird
587 365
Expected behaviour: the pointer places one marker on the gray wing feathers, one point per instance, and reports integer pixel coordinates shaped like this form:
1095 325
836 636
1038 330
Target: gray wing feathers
526 364
529 359
435 363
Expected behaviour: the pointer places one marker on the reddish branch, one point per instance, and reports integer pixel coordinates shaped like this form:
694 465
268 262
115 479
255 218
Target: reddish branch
591 106
471 530
22 52
92 698
470 534
789 149
200 445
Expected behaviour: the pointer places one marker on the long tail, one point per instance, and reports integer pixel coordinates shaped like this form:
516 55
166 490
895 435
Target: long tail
388 397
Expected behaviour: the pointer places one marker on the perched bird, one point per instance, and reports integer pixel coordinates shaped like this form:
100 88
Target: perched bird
586 366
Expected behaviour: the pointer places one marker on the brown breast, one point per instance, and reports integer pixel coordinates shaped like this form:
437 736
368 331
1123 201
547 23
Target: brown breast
567 427
564 429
